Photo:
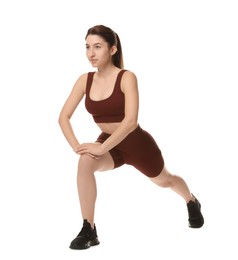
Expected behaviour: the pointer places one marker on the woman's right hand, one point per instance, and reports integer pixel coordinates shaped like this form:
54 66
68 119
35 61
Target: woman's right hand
77 148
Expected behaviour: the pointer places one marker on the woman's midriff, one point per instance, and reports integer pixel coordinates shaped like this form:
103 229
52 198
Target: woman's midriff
108 128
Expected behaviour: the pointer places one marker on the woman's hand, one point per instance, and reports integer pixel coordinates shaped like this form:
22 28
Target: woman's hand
92 149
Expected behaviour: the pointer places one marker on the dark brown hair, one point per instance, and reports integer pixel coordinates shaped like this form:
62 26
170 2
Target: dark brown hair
112 39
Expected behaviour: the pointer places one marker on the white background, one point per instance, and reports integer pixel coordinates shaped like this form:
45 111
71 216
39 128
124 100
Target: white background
185 55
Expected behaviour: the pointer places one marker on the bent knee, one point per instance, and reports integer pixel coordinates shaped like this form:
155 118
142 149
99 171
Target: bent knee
86 163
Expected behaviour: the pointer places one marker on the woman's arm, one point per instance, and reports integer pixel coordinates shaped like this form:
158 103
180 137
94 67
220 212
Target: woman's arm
129 123
68 109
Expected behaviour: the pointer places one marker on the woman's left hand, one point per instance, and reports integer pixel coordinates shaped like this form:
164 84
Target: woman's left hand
90 148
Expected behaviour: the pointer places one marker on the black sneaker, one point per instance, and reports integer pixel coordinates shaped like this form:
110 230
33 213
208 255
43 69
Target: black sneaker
195 219
87 237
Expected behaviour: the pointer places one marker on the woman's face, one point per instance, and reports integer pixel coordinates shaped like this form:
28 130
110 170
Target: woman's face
98 52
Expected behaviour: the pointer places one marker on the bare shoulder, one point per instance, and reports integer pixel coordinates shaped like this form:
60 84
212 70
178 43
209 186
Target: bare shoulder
128 78
80 84
128 74
82 79
128 81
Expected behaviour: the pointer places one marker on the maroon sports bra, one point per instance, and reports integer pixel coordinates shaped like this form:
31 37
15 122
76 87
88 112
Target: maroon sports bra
109 110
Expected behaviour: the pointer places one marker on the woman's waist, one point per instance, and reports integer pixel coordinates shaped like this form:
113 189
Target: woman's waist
108 128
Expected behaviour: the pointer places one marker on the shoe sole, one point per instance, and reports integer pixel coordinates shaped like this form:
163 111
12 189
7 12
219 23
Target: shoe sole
197 226
94 242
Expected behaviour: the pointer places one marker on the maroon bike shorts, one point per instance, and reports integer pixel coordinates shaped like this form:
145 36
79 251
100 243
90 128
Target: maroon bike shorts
138 149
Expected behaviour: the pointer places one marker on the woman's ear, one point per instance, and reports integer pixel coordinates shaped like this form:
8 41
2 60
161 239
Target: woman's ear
113 50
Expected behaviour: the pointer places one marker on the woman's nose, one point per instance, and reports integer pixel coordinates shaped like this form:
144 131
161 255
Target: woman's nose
91 53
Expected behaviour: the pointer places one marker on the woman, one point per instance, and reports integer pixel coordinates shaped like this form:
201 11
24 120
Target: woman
111 96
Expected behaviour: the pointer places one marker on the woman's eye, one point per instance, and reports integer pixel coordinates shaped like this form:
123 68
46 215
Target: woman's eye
98 47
